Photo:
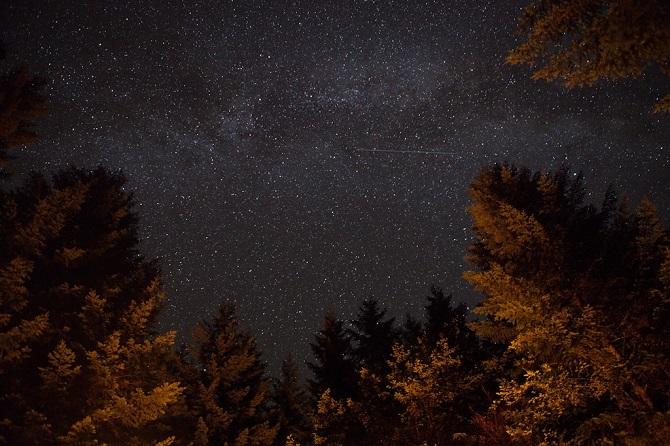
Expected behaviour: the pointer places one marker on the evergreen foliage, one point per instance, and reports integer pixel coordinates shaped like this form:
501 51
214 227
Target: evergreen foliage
577 294
291 405
569 346
334 368
21 104
78 360
227 390
580 42
373 337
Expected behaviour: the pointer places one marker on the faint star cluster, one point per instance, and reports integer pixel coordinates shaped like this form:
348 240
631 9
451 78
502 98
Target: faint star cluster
301 156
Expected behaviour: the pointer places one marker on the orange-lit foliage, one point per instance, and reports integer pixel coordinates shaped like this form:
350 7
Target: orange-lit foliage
581 41
227 391
580 296
78 363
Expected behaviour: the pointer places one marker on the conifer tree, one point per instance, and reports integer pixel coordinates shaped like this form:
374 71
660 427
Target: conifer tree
373 337
427 383
375 410
227 391
334 368
78 361
576 295
444 320
411 330
580 42
21 104
291 406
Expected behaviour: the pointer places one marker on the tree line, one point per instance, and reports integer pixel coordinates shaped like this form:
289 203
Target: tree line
569 345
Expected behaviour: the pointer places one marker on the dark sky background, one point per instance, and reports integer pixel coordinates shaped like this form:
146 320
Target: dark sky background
247 130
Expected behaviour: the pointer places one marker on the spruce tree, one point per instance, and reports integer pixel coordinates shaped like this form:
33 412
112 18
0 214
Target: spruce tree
334 367
78 359
373 336
227 391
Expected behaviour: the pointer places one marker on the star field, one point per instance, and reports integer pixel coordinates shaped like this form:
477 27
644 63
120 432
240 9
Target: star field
301 156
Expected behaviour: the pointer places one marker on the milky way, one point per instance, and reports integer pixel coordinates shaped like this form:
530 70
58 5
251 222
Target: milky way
298 157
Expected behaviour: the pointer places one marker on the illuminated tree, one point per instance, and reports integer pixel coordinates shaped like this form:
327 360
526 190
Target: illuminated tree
578 295
580 42
78 361
429 384
227 391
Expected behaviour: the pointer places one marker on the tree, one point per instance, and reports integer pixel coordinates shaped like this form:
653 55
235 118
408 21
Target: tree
446 321
580 42
78 360
577 296
427 383
373 337
227 391
21 104
290 406
411 330
334 368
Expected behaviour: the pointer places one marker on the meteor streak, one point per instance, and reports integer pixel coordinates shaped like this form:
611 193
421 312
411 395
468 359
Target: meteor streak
427 152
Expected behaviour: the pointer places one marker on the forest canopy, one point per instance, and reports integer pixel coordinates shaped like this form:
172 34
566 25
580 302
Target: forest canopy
568 346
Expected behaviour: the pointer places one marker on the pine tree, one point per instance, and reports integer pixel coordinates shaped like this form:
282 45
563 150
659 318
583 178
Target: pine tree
576 295
227 391
78 360
21 104
580 42
373 337
334 368
291 406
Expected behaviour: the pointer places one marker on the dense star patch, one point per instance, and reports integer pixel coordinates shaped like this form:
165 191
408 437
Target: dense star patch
248 132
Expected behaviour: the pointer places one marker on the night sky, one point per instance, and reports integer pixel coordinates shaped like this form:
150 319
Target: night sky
300 156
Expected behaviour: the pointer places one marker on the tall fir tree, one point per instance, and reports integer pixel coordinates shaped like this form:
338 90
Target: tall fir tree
79 362
291 406
334 367
227 391
373 337
578 296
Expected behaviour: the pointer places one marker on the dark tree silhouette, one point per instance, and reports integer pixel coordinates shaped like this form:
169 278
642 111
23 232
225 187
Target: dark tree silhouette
291 405
21 104
333 367
373 336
